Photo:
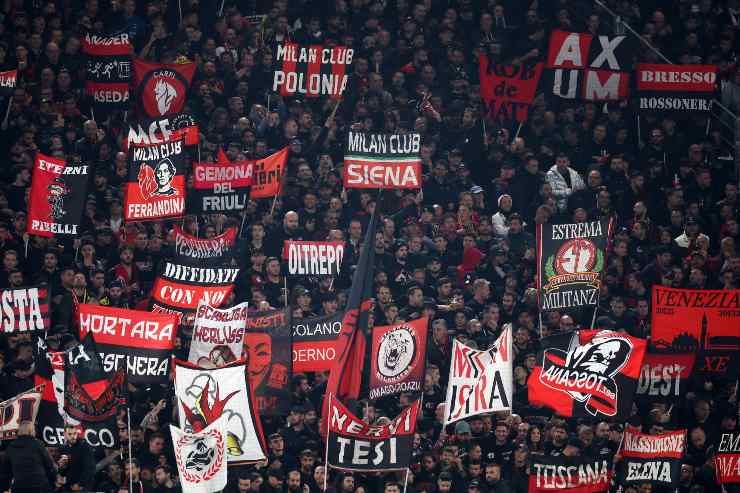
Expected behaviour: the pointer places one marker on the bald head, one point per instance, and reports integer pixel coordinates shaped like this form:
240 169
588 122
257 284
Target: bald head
26 428
290 221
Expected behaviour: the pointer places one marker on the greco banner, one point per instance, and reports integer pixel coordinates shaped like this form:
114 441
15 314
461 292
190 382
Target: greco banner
664 87
139 342
654 459
313 258
108 70
218 335
267 175
665 376
578 474
312 71
162 130
398 358
201 457
267 348
156 182
587 373
24 309
222 186
315 342
354 445
8 81
162 88
58 192
480 381
389 161
22 407
213 252
508 90
727 459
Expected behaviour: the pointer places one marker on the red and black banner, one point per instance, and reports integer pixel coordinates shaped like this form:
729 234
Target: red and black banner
315 342
508 90
267 175
592 68
398 357
8 81
14 411
24 309
580 474
587 373
376 160
222 186
108 72
727 459
156 182
139 342
58 192
679 88
354 445
313 258
311 71
664 377
212 252
162 88
654 459
267 349
162 130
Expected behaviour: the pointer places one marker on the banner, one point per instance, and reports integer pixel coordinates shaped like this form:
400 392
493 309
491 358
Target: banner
108 72
58 193
24 309
313 258
699 321
222 186
162 130
587 373
593 68
578 474
354 445
654 459
664 376
204 395
507 90
312 71
664 87
398 358
8 82
267 175
727 460
389 161
201 457
216 251
315 342
480 381
139 342
218 335
22 407
267 348
162 88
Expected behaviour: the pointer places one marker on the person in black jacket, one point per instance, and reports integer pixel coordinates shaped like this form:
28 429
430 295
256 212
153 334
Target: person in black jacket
27 464
77 464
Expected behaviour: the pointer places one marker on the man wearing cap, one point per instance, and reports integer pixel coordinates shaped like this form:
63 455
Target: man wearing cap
297 434
494 482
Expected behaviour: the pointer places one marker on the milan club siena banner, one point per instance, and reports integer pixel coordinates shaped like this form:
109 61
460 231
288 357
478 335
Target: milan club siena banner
312 71
398 357
139 342
587 373
22 407
508 90
267 347
664 87
163 130
191 250
593 68
315 342
222 186
108 73
267 175
652 459
201 457
162 88
664 377
569 474
698 321
389 161
355 445
58 193
8 81
24 309
480 381
313 258
204 395
727 460
218 335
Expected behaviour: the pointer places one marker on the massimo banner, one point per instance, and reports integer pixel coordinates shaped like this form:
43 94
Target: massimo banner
311 71
8 82
578 474
480 381
315 342
22 407
267 175
108 70
699 321
162 130
58 192
313 258
138 342
679 88
354 445
389 161
654 459
267 349
398 358
664 377
212 252
24 309
727 459
587 374
162 88
201 457
204 395
508 90
222 186
218 335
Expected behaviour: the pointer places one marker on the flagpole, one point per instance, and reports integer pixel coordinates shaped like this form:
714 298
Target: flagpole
130 460
274 202
406 480
326 453
7 110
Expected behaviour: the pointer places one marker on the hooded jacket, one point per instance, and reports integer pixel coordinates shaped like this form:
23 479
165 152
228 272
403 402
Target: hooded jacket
28 464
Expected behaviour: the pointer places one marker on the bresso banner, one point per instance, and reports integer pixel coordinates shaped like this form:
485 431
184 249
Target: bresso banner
679 88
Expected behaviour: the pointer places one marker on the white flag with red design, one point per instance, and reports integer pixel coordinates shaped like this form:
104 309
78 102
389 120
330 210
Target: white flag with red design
201 457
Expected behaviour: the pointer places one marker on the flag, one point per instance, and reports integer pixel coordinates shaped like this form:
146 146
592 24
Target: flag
579 474
108 70
163 130
376 160
218 335
675 88
201 457
267 175
24 309
507 90
664 377
162 88
727 459
398 357
315 342
222 186
313 258
22 407
311 71
654 459
212 252
8 81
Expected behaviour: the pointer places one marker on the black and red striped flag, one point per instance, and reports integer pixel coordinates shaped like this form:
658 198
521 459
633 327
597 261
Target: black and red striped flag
108 72
312 71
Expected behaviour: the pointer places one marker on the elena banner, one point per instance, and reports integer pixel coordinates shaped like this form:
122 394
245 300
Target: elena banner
652 459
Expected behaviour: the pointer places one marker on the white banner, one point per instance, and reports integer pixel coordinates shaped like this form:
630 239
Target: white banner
218 335
201 457
480 381
22 407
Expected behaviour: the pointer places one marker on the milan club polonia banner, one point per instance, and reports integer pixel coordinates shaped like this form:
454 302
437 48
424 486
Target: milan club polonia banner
58 193
218 335
108 72
191 250
201 457
578 474
667 88
698 321
267 175
654 459
139 342
587 373
267 349
390 161
204 395
162 88
315 342
222 186
508 90
22 407
480 381
24 309
163 130
313 258
664 377
570 262
592 68
354 445
727 460
398 357
311 71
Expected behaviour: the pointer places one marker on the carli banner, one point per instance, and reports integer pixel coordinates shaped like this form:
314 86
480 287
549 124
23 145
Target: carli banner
578 474
108 73
313 258
218 335
398 357
699 321
267 175
163 130
201 457
311 71
267 348
58 192
162 88
480 381
191 250
666 88
587 373
22 407
315 342
354 445
222 186
654 459
508 90
727 459
389 161
664 377
24 309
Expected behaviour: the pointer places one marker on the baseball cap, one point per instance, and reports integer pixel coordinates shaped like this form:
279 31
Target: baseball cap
476 189
462 427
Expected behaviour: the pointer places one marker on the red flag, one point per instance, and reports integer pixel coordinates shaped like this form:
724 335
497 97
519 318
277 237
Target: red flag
162 88
268 174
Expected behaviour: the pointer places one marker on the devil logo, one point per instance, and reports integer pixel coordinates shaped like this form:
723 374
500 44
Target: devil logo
164 94
57 191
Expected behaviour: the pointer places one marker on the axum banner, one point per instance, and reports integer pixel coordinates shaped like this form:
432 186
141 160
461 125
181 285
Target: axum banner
398 357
